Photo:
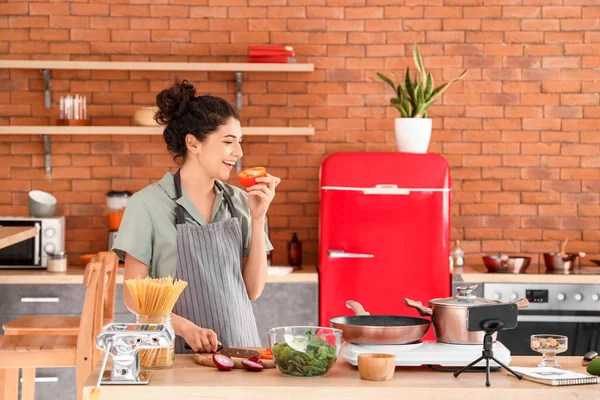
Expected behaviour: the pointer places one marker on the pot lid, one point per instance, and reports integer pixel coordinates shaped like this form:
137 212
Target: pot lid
464 298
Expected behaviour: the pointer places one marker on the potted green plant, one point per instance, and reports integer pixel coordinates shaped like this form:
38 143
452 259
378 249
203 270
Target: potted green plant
412 100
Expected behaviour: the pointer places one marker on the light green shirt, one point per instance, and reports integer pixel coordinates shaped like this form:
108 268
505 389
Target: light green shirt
148 231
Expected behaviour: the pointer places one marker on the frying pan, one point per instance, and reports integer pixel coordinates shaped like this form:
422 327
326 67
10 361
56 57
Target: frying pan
364 328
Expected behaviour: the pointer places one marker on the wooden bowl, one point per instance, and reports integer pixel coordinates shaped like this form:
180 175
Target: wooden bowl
144 116
376 366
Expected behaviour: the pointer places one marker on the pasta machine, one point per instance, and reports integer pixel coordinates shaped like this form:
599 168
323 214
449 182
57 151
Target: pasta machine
124 342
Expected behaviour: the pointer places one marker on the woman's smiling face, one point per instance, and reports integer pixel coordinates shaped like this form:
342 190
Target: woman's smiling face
218 154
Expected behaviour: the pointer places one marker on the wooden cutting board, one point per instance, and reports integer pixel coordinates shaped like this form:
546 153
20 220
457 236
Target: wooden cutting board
205 359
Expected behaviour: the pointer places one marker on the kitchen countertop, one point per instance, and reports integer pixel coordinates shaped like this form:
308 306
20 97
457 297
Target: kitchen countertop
533 274
187 380
74 275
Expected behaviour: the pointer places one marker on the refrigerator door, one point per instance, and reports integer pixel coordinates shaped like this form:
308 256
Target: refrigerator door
384 232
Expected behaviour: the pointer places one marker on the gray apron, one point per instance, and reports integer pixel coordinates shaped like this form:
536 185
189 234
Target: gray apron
209 259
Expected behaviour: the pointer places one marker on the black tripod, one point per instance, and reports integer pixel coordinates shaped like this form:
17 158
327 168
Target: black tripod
489 326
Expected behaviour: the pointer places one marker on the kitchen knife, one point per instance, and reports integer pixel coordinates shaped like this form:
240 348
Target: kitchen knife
233 351
239 352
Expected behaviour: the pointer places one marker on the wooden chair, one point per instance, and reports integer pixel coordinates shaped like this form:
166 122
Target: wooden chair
28 352
63 324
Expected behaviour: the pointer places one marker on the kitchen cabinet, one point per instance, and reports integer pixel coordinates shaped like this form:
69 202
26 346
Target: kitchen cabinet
49 300
283 304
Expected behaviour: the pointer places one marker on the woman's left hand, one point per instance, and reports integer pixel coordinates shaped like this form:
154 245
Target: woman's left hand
261 195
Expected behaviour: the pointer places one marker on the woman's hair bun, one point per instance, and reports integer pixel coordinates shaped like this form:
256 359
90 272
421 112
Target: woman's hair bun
174 101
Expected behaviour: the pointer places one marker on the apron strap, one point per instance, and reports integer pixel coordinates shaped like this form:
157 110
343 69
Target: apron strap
179 210
227 199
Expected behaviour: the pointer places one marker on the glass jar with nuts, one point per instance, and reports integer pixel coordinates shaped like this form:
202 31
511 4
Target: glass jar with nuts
549 346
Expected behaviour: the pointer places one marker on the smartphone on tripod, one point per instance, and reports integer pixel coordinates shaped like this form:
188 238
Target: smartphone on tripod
478 316
490 318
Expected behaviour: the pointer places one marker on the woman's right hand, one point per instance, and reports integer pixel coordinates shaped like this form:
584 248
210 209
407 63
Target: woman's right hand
201 340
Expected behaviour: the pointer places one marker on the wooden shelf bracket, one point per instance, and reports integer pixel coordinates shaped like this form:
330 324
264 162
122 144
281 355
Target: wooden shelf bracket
47 94
47 74
47 153
238 78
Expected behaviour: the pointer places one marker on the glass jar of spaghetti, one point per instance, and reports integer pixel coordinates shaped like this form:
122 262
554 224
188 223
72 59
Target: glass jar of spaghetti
156 358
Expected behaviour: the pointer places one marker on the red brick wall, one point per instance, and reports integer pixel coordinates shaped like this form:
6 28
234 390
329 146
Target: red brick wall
522 132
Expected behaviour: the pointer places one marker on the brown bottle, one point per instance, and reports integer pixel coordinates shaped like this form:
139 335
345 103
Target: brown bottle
295 252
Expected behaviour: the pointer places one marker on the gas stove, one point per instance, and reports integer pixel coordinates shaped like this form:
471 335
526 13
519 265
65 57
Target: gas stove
427 353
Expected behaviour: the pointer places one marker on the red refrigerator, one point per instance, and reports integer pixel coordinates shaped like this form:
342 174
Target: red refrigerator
384 232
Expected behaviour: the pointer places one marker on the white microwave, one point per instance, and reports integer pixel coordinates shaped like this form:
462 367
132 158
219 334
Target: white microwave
33 253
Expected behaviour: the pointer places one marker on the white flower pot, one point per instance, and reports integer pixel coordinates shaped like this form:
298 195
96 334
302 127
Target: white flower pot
413 134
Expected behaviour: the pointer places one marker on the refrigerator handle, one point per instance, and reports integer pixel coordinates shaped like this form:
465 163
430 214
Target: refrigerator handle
343 254
386 189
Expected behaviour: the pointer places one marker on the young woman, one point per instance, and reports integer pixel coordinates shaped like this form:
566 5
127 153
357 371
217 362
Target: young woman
192 226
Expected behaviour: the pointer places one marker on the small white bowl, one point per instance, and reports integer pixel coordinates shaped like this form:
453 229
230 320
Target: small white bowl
41 204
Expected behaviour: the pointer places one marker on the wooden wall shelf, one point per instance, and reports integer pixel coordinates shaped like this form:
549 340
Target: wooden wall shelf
156 66
46 66
141 130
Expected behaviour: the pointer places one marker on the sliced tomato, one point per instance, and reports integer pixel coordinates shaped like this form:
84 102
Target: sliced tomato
248 176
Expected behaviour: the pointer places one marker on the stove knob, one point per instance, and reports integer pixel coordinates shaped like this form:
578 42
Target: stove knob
578 297
513 296
496 296
50 232
561 297
595 297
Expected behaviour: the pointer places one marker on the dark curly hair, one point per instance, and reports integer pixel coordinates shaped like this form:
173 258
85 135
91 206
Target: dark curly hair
182 113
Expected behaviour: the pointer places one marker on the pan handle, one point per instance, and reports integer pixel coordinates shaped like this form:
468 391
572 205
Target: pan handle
424 311
356 307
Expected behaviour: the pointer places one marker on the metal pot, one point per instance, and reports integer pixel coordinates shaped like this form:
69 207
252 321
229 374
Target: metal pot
506 264
449 315
563 263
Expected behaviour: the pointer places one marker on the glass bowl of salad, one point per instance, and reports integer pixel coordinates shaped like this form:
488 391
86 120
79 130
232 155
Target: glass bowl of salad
304 350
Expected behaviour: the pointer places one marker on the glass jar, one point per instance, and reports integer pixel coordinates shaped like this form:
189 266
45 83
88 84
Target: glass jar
156 358
57 262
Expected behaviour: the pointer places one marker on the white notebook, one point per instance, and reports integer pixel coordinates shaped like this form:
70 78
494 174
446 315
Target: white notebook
555 376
